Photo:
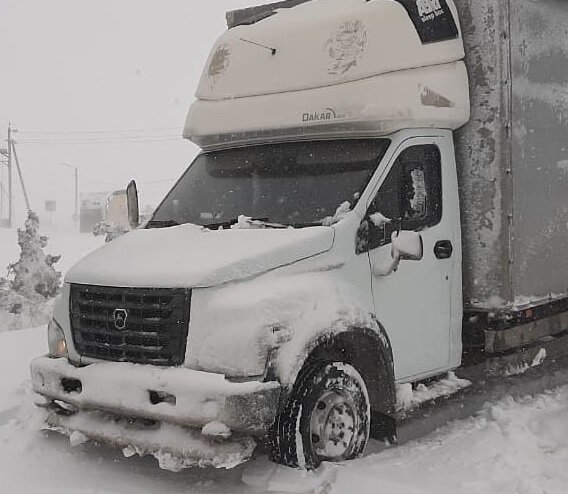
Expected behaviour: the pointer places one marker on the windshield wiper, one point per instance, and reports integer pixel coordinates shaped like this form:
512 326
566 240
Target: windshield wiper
161 223
252 222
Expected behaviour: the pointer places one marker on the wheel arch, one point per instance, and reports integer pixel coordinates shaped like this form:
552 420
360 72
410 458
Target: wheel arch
370 352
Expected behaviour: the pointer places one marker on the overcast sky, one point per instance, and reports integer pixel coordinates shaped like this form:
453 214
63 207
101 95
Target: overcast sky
126 69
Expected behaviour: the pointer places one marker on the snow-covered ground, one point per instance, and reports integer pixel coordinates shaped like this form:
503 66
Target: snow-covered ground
511 447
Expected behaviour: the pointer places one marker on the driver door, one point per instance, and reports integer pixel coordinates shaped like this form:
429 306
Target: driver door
413 303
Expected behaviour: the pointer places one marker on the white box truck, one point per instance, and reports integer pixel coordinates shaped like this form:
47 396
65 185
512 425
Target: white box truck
381 198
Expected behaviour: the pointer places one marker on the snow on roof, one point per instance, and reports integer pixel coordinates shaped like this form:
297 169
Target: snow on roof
341 61
319 43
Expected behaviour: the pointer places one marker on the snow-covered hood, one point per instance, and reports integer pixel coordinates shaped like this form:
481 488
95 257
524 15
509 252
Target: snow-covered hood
190 256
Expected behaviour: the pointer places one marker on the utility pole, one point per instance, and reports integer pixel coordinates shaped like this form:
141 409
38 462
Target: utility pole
10 153
10 185
19 168
76 217
3 192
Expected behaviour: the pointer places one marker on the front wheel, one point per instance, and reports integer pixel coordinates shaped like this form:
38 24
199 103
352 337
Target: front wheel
327 417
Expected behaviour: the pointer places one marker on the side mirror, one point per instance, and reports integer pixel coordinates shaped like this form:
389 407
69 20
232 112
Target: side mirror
373 232
407 246
132 202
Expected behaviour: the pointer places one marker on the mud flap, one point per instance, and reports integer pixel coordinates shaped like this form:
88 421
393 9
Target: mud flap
383 428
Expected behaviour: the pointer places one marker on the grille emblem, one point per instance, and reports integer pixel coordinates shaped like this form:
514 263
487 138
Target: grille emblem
120 316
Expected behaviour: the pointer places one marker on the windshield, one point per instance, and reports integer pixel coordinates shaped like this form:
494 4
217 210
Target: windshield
297 184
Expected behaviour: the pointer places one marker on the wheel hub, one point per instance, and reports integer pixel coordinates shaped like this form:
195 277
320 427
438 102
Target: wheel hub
333 424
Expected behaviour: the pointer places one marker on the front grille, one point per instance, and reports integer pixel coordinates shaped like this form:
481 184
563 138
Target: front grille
153 332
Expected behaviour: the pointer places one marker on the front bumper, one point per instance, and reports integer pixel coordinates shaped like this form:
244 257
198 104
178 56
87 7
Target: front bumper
176 396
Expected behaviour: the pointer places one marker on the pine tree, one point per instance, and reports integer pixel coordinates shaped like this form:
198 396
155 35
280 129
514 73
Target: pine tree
33 274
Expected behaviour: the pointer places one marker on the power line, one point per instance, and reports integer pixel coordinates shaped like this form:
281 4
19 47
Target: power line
163 181
109 131
45 142
90 137
94 137
143 183
97 138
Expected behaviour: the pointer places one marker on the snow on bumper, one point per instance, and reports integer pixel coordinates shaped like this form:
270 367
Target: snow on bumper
177 396
174 447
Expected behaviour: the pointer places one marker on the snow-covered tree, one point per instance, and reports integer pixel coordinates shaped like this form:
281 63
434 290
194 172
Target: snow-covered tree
26 295
111 231
33 274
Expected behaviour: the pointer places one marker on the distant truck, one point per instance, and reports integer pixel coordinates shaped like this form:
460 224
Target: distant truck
109 208
364 215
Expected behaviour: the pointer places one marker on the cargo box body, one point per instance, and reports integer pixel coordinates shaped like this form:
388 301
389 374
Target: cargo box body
512 155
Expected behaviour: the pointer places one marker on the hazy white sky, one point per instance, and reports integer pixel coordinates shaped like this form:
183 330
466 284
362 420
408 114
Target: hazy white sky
68 67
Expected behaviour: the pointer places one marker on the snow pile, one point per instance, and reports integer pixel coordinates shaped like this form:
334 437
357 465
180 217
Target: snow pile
407 244
19 347
216 429
520 302
523 301
26 295
340 213
264 476
246 223
109 230
174 447
379 219
409 398
512 447
539 358
18 312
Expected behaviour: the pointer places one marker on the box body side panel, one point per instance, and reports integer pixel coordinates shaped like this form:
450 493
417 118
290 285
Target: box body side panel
539 53
483 155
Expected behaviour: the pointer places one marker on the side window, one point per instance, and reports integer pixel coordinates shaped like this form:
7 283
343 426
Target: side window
410 197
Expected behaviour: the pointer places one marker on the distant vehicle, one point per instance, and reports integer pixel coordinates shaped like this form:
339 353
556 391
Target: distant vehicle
364 215
117 210
107 207
93 210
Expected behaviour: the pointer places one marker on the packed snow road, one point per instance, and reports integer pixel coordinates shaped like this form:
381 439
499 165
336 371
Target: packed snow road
513 446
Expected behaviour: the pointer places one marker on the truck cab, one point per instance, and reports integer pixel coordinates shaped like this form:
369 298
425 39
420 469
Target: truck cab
307 262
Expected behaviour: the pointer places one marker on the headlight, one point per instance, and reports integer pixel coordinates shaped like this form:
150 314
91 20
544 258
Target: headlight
56 340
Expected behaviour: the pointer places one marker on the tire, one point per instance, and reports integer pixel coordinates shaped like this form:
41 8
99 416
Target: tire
326 418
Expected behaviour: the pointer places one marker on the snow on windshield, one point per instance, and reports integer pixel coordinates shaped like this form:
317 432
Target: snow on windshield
340 213
289 184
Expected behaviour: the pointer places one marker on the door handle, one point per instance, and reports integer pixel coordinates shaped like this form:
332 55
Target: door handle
443 249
